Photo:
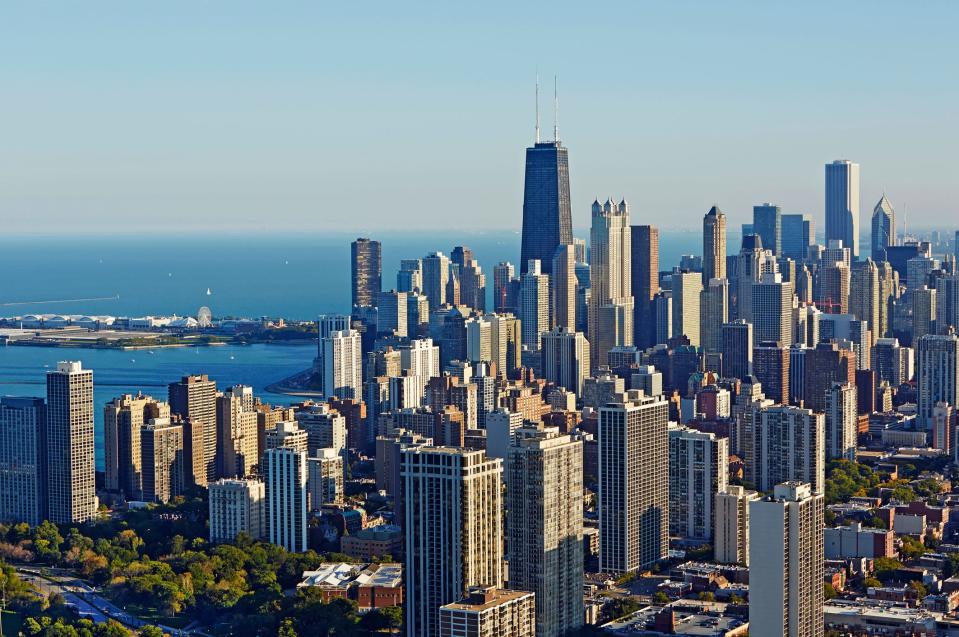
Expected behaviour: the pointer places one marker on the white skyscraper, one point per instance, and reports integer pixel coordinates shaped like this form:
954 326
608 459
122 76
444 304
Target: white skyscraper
633 483
534 305
343 365
563 281
436 274
686 288
788 444
772 304
698 469
842 204
731 537
71 488
786 563
565 359
610 302
324 478
237 505
842 422
286 473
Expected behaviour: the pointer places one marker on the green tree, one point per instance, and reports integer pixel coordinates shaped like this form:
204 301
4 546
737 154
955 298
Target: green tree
829 592
660 598
47 541
919 589
286 629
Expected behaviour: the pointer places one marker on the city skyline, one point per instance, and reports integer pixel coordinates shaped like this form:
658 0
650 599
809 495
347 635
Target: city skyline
297 163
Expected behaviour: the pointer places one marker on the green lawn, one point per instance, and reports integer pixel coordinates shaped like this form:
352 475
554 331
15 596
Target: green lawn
11 623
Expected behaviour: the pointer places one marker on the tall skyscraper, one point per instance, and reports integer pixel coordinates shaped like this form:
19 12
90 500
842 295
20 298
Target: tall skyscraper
544 526
633 483
767 223
831 364
772 304
644 281
864 296
453 520
343 365
237 506
236 423
563 284
771 367
71 490
367 271
737 349
123 421
164 462
193 399
410 275
473 285
22 460
842 204
731 542
391 313
505 287
714 245
937 374
547 216
698 469
788 444
610 300
842 422
713 314
786 555
883 229
947 303
566 359
286 497
798 231
924 309
436 276
686 287
834 288
534 305
752 262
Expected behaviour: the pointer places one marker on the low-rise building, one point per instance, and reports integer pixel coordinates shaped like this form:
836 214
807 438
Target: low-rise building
373 543
855 541
488 612
369 585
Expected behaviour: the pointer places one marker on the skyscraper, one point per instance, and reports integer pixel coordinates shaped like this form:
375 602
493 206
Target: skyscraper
767 223
22 461
547 216
563 284
732 525
286 497
786 555
788 444
193 399
367 271
698 469
883 229
566 359
453 520
771 367
544 526
71 490
164 461
534 305
864 296
714 245
343 365
798 231
324 478
842 421
644 282
633 483
831 364
123 421
610 300
737 349
236 423
505 287
924 309
937 374
410 275
686 287
436 275
713 314
842 204
237 505
772 304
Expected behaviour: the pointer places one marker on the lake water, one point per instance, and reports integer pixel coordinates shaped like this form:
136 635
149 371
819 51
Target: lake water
115 372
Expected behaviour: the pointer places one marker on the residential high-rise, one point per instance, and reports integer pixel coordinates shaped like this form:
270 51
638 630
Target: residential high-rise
22 460
193 399
123 421
752 262
164 461
473 285
686 287
786 562
798 231
892 362
767 223
534 305
772 304
937 374
367 271
236 423
842 204
566 359
488 611
633 502
436 275
731 538
288 434
544 526
888 297
324 478
563 287
835 279
644 281
883 229
70 490
864 296
391 313
737 349
453 520
505 287
947 303
343 365
698 469
788 444
924 310
771 367
831 364
325 428
713 314
547 216
714 245
842 422
410 275
286 497
237 506
610 296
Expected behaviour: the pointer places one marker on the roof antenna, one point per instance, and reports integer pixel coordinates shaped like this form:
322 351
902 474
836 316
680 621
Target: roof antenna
537 107
555 112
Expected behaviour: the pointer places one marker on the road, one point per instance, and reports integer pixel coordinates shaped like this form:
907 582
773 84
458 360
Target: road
83 597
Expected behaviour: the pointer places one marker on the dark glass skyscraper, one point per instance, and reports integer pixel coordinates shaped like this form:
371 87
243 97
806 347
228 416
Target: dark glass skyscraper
547 220
767 223
367 266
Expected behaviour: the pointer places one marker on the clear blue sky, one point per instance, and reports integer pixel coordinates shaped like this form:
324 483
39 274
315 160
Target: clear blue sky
127 116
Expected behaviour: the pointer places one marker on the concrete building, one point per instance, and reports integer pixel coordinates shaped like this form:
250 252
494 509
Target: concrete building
565 358
193 399
786 563
237 505
453 520
611 304
842 422
737 349
22 460
644 280
731 537
325 428
686 288
698 470
864 301
854 541
236 424
123 421
771 367
164 460
410 275
544 526
714 245
534 305
324 478
391 313
788 445
489 611
772 302
367 271
767 223
436 274
563 282
633 503
937 375
286 497
713 314
343 365
70 465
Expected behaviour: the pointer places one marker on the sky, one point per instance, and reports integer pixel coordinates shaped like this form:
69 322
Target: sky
128 117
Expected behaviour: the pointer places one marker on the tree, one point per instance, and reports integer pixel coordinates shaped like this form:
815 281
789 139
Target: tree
151 631
707 596
660 598
47 541
620 607
871 582
829 592
286 629
919 589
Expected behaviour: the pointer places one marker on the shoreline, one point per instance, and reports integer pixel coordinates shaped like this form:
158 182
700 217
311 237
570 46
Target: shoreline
294 385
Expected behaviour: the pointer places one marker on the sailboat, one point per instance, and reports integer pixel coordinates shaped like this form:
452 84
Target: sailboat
209 292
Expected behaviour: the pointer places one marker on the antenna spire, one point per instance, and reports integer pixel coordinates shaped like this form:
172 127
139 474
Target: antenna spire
555 111
537 107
